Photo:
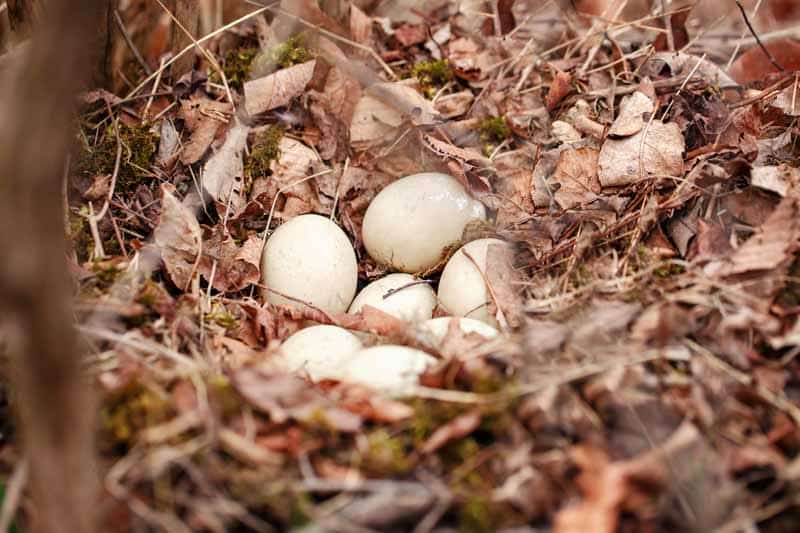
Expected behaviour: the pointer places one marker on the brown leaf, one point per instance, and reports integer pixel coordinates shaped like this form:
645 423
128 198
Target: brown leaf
680 37
289 172
203 117
384 107
503 280
458 428
411 34
277 89
559 89
236 267
370 406
781 179
455 104
179 238
661 155
753 65
634 111
360 25
285 397
773 245
504 13
333 110
98 189
223 174
464 155
576 176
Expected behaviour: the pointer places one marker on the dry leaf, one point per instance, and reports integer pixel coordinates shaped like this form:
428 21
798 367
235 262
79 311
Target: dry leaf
781 179
203 117
223 174
384 107
333 110
360 26
576 178
179 238
503 280
634 111
470 157
454 105
559 89
290 172
661 155
236 267
277 89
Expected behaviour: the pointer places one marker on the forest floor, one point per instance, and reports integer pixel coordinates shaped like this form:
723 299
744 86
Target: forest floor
646 377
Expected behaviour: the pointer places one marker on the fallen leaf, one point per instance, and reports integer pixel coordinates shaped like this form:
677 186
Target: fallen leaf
455 104
411 34
223 174
753 64
234 267
506 16
384 107
503 280
290 172
559 89
634 111
203 118
178 237
333 110
98 189
277 89
677 26
781 179
360 25
575 179
458 428
661 155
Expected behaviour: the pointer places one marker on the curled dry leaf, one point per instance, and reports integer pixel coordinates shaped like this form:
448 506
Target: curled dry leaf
223 175
277 89
503 281
576 176
458 428
203 117
454 105
290 173
384 107
559 89
333 110
360 25
622 161
634 111
236 266
178 237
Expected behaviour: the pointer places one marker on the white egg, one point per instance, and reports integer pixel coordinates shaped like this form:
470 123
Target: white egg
321 351
462 287
437 328
390 369
310 259
401 295
412 221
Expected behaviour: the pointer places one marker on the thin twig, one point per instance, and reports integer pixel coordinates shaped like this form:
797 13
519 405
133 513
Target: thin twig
134 50
758 39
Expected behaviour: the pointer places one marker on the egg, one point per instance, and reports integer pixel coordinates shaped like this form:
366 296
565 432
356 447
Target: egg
462 287
390 369
321 351
401 295
410 224
437 328
309 259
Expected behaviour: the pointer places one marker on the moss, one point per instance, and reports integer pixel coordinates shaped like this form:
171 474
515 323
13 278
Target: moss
385 454
475 515
236 66
494 130
139 145
290 52
432 75
80 235
105 271
223 395
222 317
262 153
130 411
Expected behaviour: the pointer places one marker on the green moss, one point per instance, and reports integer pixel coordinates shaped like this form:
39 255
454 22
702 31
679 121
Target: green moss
129 412
223 395
262 153
139 145
432 75
475 515
494 130
290 52
236 66
385 454
222 317
80 235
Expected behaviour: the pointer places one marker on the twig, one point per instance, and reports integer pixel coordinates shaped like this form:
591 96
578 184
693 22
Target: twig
758 39
13 494
126 36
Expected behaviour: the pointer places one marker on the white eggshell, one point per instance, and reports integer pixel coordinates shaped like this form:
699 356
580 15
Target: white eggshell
412 300
437 328
321 351
462 287
390 369
310 259
413 220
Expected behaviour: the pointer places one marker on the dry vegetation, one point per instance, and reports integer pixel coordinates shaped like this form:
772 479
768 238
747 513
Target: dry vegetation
645 166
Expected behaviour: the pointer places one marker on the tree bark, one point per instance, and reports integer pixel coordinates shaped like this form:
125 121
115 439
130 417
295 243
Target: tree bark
53 402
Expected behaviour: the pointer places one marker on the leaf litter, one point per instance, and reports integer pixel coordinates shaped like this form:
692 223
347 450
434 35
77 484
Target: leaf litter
648 377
